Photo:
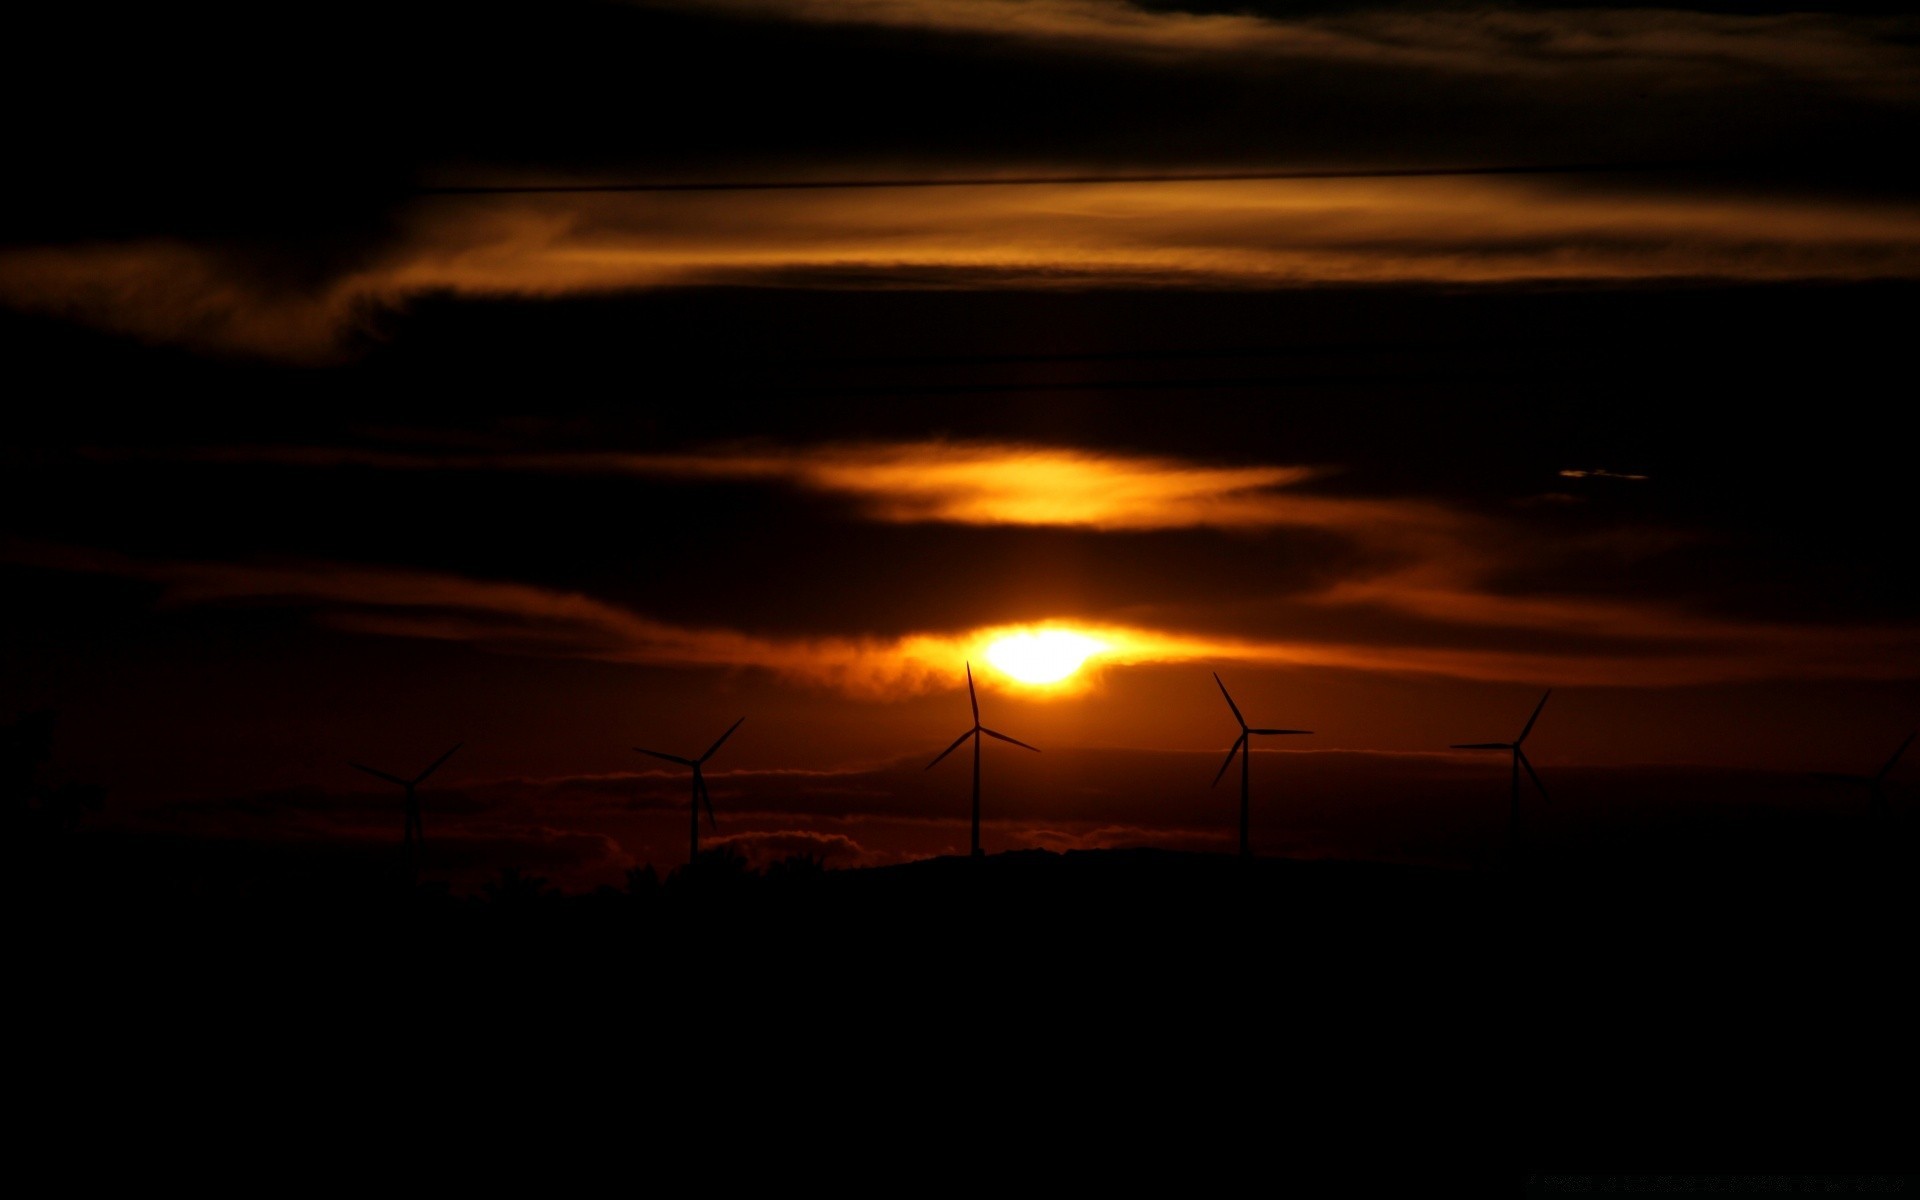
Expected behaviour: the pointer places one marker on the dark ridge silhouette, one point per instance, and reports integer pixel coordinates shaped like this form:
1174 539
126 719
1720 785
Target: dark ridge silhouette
1876 783
700 794
1519 761
1116 975
974 733
414 840
1242 746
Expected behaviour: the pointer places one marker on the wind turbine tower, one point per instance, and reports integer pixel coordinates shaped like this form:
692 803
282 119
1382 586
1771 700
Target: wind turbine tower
416 835
700 794
1519 761
1876 782
975 733
1242 746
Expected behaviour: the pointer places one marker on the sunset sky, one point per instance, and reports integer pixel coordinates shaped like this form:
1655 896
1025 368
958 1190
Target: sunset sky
1548 347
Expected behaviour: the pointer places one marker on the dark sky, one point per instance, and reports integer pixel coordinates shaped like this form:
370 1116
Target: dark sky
306 464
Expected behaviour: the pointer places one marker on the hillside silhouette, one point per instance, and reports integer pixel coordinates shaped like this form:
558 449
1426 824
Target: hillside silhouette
1712 988
1479 1018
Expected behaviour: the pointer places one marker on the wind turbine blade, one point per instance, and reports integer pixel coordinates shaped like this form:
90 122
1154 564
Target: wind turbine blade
1533 718
1274 731
1003 737
382 774
1888 769
949 750
672 758
422 776
1230 703
1531 774
723 737
1233 750
1481 746
971 698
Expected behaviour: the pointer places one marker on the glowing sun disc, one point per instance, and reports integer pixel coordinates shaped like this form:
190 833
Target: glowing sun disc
1044 657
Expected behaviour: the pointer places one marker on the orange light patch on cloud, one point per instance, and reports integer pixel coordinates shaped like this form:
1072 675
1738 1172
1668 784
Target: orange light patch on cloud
964 483
1002 484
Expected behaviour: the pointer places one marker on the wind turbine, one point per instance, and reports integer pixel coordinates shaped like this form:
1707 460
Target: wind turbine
1519 760
975 733
1242 746
699 790
1877 782
416 835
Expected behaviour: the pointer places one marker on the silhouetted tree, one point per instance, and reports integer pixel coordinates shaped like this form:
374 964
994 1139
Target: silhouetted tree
797 869
643 883
515 890
720 868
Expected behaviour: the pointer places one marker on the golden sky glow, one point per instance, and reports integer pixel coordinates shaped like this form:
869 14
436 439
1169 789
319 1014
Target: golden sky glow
1044 656
1001 484
1418 597
1674 648
484 382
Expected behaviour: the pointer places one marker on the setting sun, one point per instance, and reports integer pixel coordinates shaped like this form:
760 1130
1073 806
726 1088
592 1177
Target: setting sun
1047 656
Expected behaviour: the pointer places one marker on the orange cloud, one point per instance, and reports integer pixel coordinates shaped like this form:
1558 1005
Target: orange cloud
1421 562
1674 48
963 483
1247 233
1655 645
995 484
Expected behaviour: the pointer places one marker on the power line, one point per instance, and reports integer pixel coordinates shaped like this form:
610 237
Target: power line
800 185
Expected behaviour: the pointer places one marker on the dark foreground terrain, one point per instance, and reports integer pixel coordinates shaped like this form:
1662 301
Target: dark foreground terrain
1172 1020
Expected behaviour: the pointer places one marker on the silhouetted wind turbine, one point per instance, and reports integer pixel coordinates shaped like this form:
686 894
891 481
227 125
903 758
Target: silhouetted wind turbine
1877 782
416 835
699 789
1243 747
1519 760
975 733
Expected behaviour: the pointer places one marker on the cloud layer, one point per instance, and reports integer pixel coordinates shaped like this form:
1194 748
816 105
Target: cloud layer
1425 589
1187 235
1775 137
